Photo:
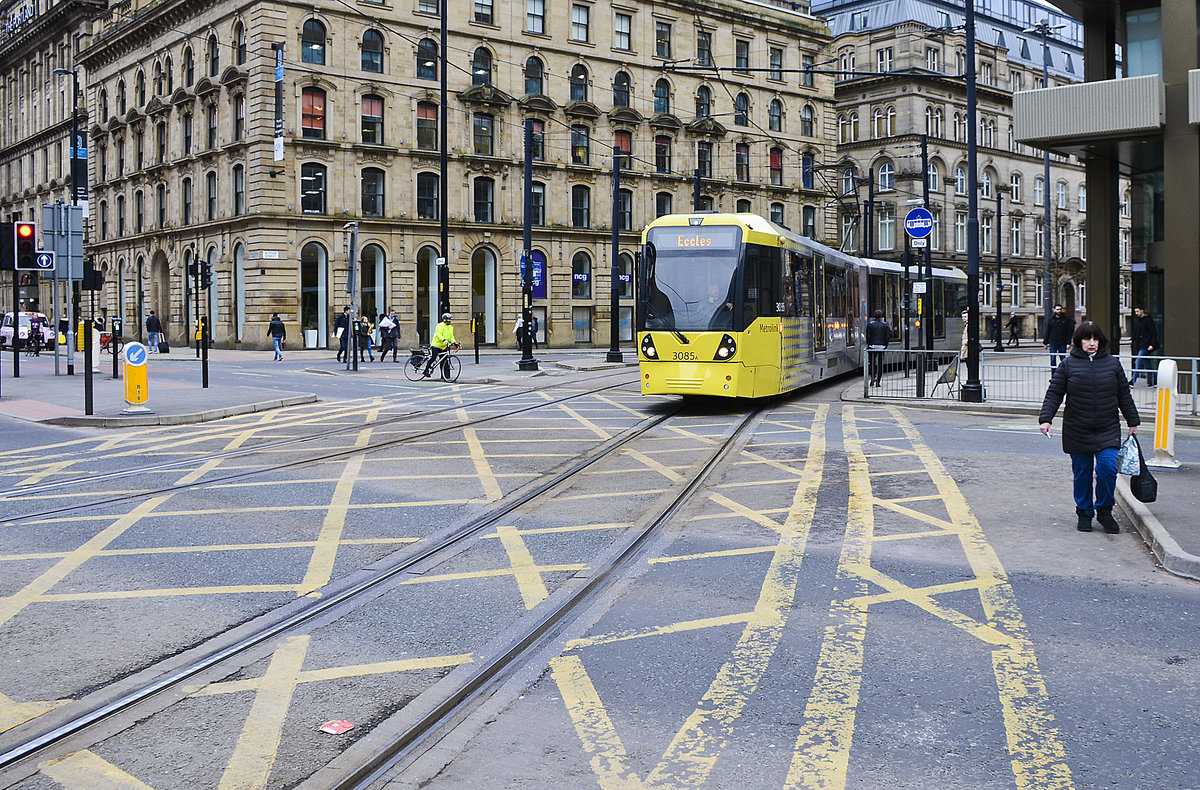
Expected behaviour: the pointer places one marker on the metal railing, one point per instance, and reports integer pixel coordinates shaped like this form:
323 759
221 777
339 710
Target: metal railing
1010 377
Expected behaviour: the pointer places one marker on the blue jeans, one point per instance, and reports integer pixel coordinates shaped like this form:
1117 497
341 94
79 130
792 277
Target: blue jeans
1057 354
278 347
1141 364
1105 464
152 341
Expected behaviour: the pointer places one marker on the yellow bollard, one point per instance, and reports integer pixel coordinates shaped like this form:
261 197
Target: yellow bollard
1164 417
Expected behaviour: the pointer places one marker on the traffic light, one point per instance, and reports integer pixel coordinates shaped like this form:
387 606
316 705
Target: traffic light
7 251
25 246
205 276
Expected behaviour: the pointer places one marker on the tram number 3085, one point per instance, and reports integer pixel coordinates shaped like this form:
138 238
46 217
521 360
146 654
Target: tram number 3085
685 355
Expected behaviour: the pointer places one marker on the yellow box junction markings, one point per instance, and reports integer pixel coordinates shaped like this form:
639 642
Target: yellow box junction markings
693 752
822 752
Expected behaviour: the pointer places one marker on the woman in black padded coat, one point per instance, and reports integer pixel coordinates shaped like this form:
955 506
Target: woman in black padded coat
1094 384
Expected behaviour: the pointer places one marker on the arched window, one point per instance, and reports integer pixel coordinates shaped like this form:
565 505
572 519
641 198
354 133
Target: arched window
140 82
427 59
312 188
372 52
103 106
933 178
887 177
664 203
960 181
621 89
121 107
849 181
481 67
877 123
579 82
933 121
742 206
703 102
535 77
1039 191
372 192
741 110
1014 188
312 119
662 97
775 115
189 68
581 274
312 42
985 184
239 41
169 75
214 56
891 121
808 121
314 290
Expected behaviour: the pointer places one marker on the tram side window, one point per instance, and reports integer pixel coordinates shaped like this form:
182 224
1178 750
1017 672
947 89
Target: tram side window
799 283
762 283
750 284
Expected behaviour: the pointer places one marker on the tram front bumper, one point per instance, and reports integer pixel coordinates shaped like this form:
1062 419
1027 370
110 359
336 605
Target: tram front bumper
691 378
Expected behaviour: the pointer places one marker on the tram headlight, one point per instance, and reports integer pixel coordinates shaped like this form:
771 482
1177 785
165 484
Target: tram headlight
726 350
648 349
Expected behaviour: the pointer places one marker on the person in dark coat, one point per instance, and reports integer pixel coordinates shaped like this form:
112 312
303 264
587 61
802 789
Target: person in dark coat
1058 333
878 335
341 328
1093 382
153 332
1143 340
277 334
1014 330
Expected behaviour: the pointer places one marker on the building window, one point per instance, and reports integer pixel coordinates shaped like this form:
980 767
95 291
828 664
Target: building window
846 64
625 209
849 181
883 59
808 221
935 238
189 68
806 170
485 192
483 134
210 181
239 41
985 235
534 77
239 190
538 204
427 126
777 213
1039 240
808 121
741 56
120 215
427 196
664 203
580 22
933 58
776 166
775 116
703 48
372 52
214 57
239 116
621 89
742 206
985 289
312 119
481 67
887 177
704 158
539 137
581 206
139 149
985 184
427 60
933 121
1082 195
933 178
372 120
581 146
581 275
623 144
1014 243
662 97
186 200
1039 192
312 43
849 240
1061 194
622 31
372 192
741 110
960 231
960 181
742 161
579 82
775 64
703 102
483 11
162 200
662 39
312 188
806 76
139 212
887 228
535 16
211 133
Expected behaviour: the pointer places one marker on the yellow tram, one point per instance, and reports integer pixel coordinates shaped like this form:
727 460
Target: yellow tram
733 305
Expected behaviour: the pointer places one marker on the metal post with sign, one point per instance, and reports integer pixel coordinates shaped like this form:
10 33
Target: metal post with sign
918 224
137 385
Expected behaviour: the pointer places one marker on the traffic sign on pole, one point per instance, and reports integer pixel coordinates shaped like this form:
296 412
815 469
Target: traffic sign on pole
918 223
137 387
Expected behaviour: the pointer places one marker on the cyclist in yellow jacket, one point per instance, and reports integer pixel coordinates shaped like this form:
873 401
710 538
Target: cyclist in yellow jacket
443 338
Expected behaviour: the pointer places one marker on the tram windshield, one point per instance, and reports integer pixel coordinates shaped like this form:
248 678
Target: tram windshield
691 278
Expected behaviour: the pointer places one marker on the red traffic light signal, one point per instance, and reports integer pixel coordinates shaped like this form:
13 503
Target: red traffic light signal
25 246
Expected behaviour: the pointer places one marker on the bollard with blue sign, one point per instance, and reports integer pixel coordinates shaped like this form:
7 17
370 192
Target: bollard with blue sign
137 386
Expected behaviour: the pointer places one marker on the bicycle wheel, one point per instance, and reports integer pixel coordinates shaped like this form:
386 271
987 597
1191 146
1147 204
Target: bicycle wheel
414 366
451 367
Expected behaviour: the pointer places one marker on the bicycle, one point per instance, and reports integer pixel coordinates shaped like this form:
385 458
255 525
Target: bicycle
106 340
418 358
33 345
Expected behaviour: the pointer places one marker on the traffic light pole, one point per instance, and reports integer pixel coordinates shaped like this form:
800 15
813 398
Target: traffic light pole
204 341
16 324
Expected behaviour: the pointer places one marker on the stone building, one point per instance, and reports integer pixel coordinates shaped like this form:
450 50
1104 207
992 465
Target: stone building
181 102
898 78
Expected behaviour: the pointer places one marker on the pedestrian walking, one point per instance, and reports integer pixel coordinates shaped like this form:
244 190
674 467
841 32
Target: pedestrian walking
878 335
1093 383
962 351
277 333
1057 337
519 331
534 329
153 332
364 327
993 330
387 338
341 330
1014 330
1143 341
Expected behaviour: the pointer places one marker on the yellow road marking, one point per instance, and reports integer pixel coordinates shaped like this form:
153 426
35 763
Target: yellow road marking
89 771
714 554
608 757
320 565
49 469
341 673
199 472
524 569
585 422
655 466
32 592
451 577
700 624
168 592
13 713
491 489
299 544
250 766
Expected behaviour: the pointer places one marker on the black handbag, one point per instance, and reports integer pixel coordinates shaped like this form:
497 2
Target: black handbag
1143 486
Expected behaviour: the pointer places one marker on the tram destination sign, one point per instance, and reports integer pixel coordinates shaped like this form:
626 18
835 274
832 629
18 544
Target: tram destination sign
918 223
702 239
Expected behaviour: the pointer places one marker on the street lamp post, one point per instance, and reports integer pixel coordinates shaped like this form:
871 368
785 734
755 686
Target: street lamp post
972 389
999 289
74 168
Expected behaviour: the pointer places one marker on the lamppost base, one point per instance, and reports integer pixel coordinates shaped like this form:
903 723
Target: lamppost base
614 356
527 364
998 347
971 392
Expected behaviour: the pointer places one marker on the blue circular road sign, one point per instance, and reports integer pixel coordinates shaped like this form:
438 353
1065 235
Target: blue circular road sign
918 223
135 354
45 260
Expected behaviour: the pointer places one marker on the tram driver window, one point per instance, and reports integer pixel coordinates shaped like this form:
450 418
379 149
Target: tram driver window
798 285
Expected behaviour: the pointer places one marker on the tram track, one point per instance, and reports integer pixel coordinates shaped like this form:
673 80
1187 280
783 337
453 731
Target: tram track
333 455
165 682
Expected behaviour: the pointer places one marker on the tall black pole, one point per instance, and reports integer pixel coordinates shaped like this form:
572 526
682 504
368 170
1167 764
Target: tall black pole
204 329
1047 297
614 349
199 317
972 389
999 289
527 361
927 302
443 270
16 310
88 331
868 215
907 303
696 189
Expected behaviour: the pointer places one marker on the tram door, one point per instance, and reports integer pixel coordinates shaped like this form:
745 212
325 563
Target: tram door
818 290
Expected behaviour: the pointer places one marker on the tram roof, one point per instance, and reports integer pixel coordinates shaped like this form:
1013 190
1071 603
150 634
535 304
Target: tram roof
877 266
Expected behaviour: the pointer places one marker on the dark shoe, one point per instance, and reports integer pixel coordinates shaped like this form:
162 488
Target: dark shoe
1105 517
1085 521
